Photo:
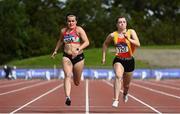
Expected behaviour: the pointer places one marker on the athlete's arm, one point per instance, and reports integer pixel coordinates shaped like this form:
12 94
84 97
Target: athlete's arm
83 36
134 38
105 46
59 44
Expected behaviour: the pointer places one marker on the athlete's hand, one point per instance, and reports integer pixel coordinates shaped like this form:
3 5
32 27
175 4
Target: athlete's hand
75 53
53 55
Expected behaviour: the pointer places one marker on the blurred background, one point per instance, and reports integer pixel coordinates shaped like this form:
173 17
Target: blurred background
29 30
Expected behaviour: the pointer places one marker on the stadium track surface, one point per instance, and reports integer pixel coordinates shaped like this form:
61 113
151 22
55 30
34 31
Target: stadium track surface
90 97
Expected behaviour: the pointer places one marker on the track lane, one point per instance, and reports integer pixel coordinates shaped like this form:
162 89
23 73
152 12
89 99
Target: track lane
6 88
160 101
168 82
4 81
101 100
161 87
55 102
100 96
14 84
10 102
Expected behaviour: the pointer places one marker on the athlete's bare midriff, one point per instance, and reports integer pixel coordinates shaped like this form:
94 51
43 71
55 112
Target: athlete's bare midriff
70 48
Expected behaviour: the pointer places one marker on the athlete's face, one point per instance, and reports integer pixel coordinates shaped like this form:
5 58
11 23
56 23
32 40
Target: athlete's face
71 22
121 23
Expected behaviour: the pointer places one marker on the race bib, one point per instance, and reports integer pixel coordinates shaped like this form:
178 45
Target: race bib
122 48
69 38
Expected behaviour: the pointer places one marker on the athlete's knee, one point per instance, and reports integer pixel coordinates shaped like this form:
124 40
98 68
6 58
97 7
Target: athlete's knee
118 76
68 75
126 86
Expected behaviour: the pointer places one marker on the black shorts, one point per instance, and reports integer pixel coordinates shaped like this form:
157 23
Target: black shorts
128 64
76 59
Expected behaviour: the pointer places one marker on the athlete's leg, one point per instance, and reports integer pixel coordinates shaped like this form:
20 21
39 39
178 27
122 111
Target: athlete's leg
126 81
77 72
119 70
67 67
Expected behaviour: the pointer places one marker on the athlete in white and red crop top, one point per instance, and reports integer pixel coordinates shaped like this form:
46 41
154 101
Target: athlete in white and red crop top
71 37
74 40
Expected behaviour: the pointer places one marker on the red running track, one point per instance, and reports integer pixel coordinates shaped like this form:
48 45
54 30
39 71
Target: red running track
90 97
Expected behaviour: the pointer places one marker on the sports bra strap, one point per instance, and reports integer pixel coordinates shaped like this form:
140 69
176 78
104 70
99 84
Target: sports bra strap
128 42
128 32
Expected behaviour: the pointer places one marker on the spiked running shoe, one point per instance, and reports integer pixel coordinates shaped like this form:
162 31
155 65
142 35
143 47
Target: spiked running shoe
115 103
68 101
125 98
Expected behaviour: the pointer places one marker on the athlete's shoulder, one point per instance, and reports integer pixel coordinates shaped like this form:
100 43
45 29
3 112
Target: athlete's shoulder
131 30
114 34
63 30
111 35
79 28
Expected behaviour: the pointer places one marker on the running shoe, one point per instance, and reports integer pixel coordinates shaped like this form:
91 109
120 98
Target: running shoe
125 98
115 103
68 101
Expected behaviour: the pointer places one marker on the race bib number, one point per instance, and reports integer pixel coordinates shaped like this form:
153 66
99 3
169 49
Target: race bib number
122 48
69 38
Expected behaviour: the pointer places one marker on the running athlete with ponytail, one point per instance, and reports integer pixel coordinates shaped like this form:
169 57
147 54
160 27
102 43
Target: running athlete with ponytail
74 40
125 41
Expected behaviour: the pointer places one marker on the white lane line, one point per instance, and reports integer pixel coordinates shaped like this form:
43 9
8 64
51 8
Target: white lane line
87 96
157 91
15 84
160 85
92 113
152 108
16 90
36 99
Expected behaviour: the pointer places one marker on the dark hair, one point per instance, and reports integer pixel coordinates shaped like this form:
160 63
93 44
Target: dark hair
120 17
71 14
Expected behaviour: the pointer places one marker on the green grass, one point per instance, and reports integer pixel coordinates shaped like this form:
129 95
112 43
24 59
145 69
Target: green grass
37 62
92 60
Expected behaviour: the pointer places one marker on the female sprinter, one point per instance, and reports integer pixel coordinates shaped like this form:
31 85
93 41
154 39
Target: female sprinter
73 39
125 40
